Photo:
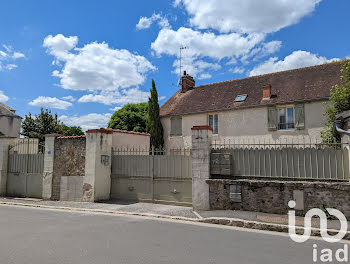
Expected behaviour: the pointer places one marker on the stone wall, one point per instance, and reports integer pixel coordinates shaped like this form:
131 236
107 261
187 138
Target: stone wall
69 161
273 196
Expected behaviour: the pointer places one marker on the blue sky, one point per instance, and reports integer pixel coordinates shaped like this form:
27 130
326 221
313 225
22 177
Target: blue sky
84 59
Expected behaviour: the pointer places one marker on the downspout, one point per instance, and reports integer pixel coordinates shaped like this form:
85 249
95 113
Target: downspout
340 130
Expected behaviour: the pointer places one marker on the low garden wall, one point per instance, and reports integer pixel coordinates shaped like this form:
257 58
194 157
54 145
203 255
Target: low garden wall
272 196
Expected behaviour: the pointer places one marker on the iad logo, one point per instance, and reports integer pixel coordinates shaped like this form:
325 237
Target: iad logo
326 254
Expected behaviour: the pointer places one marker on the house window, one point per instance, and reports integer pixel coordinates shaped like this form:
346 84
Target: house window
286 118
176 126
214 123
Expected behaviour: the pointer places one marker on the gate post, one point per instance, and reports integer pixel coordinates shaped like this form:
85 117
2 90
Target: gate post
5 142
201 145
48 165
97 179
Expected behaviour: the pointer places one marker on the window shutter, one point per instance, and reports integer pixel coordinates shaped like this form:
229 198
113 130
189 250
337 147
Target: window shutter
179 126
272 118
172 126
176 126
299 116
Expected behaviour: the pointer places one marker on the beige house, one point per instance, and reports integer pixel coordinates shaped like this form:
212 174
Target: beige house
275 107
10 123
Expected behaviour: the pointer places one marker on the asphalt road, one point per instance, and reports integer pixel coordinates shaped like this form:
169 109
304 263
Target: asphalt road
41 236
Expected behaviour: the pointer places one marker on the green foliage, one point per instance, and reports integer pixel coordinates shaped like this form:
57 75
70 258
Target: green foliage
339 101
46 123
154 126
131 117
70 131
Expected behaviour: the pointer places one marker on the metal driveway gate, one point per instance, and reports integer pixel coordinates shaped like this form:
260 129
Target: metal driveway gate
25 169
152 176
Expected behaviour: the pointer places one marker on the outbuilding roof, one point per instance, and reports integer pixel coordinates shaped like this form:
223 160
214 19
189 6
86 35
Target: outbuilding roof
304 84
5 110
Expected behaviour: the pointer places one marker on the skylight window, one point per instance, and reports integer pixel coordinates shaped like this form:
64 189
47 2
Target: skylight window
241 98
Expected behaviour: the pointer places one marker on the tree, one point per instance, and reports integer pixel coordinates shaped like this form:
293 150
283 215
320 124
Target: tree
339 102
154 126
70 131
132 117
46 123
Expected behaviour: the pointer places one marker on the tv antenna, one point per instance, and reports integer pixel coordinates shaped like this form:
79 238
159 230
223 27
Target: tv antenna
181 49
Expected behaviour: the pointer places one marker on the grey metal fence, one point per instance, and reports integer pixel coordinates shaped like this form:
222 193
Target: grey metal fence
152 175
25 169
314 160
26 156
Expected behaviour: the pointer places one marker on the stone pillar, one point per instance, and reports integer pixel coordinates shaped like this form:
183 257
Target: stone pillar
48 165
201 145
4 149
97 179
345 139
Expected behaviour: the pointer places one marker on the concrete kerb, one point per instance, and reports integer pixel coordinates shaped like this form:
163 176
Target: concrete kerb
234 222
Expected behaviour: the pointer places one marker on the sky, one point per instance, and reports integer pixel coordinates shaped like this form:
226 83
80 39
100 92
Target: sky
85 59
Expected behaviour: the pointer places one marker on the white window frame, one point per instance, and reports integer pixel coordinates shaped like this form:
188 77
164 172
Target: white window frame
215 129
285 107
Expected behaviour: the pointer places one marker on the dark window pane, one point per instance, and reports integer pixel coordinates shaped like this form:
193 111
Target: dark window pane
211 121
216 124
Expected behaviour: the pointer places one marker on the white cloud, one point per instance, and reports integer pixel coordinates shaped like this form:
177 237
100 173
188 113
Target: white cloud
8 56
203 45
246 16
59 46
146 22
125 96
238 70
18 55
297 59
10 66
3 97
115 108
96 67
90 121
69 98
50 102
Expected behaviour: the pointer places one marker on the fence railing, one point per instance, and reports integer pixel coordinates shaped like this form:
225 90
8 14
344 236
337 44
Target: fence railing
314 160
295 142
26 156
144 151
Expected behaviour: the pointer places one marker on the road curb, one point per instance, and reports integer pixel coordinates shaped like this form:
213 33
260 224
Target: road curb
236 222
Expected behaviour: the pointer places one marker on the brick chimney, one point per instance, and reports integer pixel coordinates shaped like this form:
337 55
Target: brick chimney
187 82
267 92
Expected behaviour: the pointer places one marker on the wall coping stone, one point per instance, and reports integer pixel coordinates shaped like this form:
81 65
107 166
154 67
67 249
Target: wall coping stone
101 130
65 137
202 128
111 131
296 184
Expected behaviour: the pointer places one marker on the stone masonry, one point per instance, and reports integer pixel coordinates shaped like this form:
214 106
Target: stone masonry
270 196
201 142
69 161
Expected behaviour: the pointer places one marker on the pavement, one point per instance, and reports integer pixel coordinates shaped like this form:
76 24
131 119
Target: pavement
252 220
45 236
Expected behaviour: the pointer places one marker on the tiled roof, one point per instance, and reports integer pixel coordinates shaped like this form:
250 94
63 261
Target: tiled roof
111 131
304 84
5 110
83 136
129 132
